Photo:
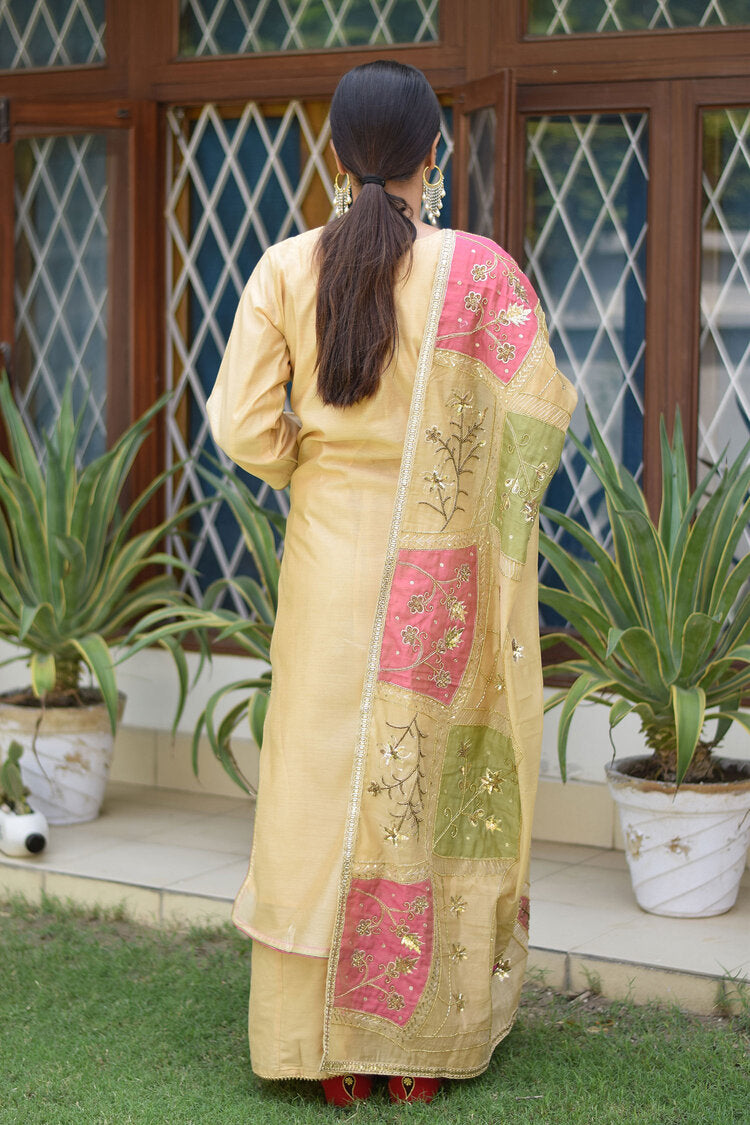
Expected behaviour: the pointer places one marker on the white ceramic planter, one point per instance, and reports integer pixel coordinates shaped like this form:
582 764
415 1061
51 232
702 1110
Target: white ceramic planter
686 850
68 770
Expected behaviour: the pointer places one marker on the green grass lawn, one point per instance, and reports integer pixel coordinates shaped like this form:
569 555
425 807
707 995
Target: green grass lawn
106 1022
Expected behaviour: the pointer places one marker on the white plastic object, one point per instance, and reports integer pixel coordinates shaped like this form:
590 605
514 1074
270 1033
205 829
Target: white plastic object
22 834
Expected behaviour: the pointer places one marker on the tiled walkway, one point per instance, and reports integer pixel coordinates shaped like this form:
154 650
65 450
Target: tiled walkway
177 856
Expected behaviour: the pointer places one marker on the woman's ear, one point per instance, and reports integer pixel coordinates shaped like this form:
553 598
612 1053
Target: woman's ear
339 165
433 152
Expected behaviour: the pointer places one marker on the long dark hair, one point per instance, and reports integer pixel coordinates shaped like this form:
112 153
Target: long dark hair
384 118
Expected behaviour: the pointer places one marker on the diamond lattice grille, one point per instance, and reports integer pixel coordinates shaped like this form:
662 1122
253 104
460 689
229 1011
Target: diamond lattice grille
585 252
238 181
572 17
238 27
482 125
724 401
43 33
61 247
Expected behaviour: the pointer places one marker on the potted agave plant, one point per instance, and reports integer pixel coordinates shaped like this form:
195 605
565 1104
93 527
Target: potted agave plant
662 630
74 586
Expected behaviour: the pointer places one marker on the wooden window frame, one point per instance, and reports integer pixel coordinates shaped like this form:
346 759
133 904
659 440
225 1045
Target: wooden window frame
483 56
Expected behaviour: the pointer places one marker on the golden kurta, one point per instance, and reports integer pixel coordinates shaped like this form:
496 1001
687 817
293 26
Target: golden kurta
345 466
401 749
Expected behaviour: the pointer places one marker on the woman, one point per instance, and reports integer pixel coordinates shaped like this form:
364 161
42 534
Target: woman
387 894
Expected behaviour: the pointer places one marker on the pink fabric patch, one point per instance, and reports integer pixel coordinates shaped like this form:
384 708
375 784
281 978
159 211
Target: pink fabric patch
429 624
386 948
488 312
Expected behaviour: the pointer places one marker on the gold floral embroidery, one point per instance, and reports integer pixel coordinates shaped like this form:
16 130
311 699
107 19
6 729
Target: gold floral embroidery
491 321
405 782
381 977
529 452
431 655
514 282
458 904
458 952
501 969
458 1000
470 805
478 808
458 450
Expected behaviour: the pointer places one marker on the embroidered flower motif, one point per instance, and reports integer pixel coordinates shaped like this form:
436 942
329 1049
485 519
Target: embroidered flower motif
517 650
479 272
373 788
475 816
514 284
389 753
506 352
528 511
504 502
492 824
416 603
464 748
457 904
393 836
359 959
461 401
463 574
458 952
441 677
541 471
395 1001
514 314
491 780
458 997
501 969
432 434
409 939
453 637
456 608
366 926
420 905
473 301
410 635
435 482
400 966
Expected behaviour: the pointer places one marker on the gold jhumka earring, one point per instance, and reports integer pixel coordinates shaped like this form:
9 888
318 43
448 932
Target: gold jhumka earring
342 194
433 194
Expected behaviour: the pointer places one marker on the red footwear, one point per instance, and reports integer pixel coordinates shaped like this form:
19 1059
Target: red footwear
347 1088
406 1089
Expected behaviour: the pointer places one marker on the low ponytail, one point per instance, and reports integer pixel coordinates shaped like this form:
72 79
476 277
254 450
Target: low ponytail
384 118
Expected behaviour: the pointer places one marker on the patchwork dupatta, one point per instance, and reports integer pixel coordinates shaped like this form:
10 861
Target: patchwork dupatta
431 935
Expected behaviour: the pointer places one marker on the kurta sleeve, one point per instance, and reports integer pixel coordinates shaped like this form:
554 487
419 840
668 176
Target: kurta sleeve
246 406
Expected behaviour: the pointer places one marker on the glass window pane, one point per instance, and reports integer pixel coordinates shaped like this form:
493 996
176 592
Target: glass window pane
63 245
482 124
585 250
239 27
237 181
724 395
51 33
577 17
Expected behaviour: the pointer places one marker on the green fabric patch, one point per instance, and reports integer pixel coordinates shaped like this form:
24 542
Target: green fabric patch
529 454
479 807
